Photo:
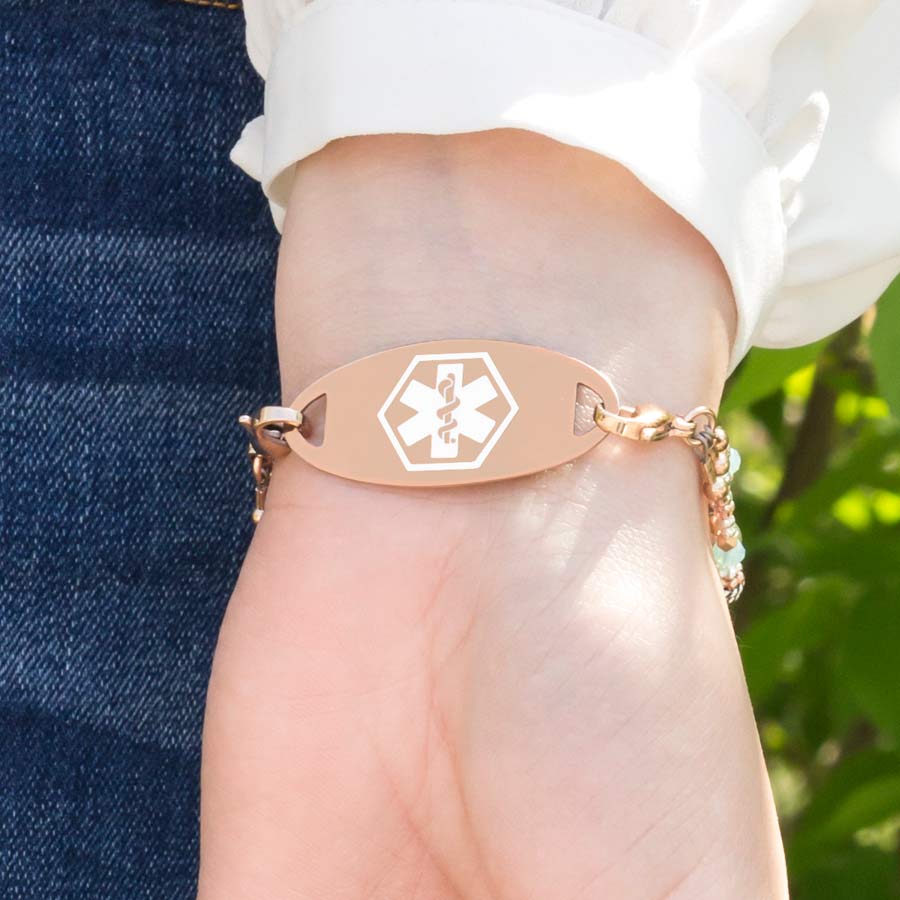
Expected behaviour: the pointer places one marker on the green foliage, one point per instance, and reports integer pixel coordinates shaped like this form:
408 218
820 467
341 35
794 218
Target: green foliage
764 371
885 345
819 626
871 661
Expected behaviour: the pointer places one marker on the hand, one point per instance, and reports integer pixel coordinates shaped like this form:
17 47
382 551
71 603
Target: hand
522 690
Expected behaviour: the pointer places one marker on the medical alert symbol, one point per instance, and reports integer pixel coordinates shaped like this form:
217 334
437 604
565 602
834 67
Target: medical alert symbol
461 406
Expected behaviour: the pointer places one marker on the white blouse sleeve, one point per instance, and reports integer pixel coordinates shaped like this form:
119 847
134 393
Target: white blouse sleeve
773 126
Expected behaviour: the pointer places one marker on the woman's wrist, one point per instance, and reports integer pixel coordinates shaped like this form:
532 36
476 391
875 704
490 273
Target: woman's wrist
393 239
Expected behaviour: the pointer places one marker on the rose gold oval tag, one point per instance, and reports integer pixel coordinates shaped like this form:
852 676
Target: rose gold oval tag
451 412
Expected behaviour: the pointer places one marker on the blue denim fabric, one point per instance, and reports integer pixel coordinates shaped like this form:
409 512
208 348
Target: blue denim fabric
135 324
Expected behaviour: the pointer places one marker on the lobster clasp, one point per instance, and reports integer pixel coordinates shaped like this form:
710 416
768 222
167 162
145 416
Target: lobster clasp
641 423
262 475
267 428
267 443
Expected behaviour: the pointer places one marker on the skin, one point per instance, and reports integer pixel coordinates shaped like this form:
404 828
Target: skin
528 690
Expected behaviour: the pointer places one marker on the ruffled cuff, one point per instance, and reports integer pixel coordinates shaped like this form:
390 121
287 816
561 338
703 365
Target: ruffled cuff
353 67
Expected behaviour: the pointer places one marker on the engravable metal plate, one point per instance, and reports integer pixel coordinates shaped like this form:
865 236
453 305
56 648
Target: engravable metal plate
451 412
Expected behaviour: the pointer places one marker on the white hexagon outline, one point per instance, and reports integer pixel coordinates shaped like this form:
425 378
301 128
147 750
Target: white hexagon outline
489 444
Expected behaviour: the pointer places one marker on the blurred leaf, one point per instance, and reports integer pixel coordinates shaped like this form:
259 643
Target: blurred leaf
871 654
763 372
798 385
887 507
857 873
800 626
865 465
874 408
853 510
863 790
885 836
884 344
789 783
769 412
863 557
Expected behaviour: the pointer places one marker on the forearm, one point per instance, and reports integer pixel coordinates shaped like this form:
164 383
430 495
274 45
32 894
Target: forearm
559 625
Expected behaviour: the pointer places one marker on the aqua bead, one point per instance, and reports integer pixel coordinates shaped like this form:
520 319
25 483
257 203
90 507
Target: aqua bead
728 559
734 460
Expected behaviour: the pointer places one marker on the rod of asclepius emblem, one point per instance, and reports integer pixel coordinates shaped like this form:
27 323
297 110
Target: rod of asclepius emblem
447 410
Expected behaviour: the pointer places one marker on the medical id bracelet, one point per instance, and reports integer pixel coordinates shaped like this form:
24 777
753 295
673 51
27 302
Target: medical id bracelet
454 412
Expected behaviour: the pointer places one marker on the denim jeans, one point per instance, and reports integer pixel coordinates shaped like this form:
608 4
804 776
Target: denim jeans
135 325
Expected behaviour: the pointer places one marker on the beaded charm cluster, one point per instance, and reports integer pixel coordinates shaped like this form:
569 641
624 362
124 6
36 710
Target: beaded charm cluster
728 551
